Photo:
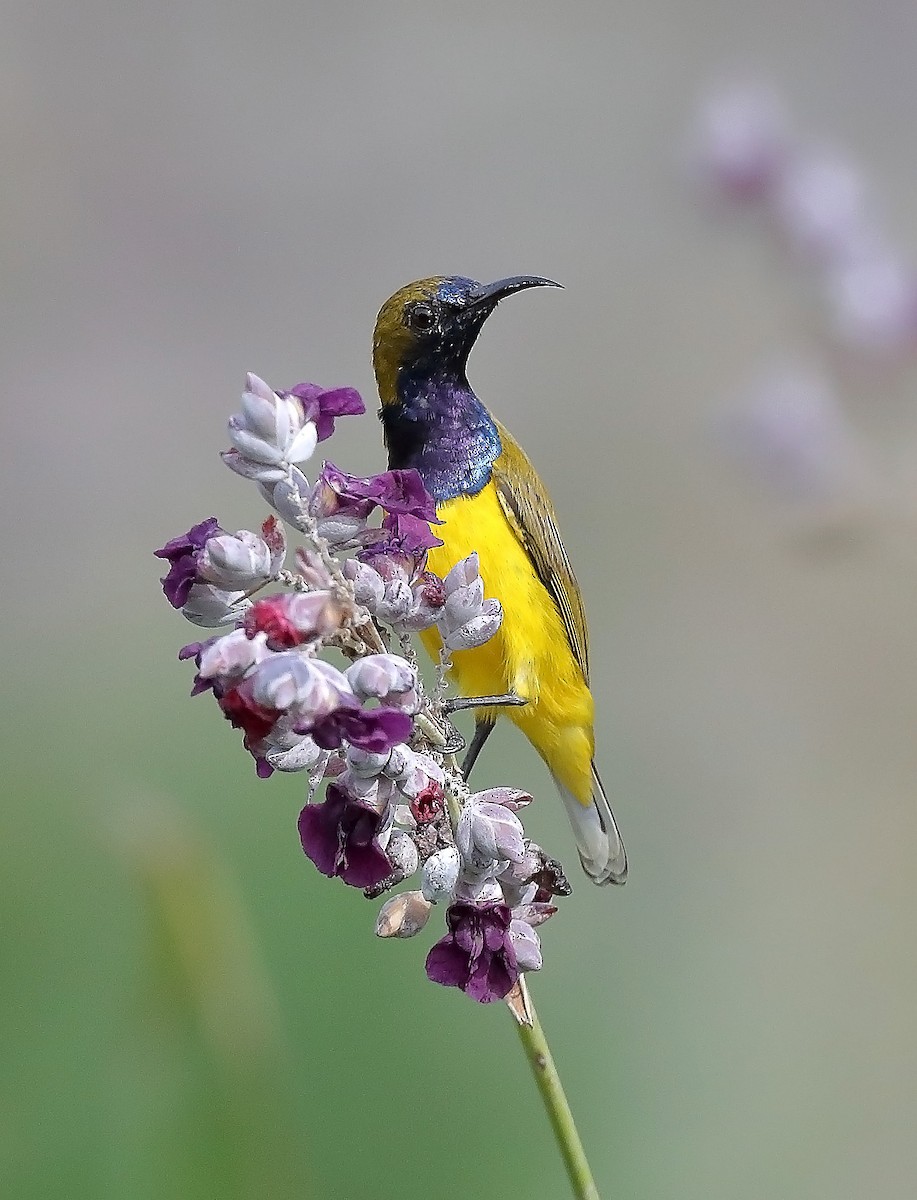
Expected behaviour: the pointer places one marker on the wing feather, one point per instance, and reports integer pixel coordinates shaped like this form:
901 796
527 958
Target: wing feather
530 513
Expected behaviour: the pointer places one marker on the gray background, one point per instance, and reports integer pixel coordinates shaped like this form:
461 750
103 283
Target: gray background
194 190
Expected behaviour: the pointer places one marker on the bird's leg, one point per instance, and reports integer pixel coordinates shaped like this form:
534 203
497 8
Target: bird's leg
482 731
506 700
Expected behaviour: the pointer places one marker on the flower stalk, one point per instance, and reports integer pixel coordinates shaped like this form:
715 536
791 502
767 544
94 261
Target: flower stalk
550 1088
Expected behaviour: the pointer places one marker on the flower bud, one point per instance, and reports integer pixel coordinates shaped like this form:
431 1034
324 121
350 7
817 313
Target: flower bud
463 604
235 561
303 755
478 630
271 429
465 571
368 585
402 854
287 679
387 678
534 912
341 529
231 656
287 495
823 205
526 944
429 596
276 541
479 889
510 798
373 789
366 764
440 874
264 474
311 568
402 762
209 606
488 834
741 142
397 600
403 915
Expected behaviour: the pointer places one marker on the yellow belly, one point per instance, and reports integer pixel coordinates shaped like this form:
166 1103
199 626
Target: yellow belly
530 654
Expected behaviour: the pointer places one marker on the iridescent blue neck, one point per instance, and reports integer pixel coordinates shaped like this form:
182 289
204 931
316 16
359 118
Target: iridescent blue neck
440 427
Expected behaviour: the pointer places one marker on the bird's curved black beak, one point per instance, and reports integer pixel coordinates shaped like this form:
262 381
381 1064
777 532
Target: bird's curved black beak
490 293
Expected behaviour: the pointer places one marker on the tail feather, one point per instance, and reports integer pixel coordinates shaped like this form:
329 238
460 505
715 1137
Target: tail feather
601 849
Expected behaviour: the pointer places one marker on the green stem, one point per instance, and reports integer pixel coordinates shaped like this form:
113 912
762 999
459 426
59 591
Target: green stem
538 1052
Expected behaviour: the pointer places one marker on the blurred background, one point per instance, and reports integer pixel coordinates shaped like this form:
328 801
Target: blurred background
722 403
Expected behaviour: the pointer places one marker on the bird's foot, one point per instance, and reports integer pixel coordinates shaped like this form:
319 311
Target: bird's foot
454 740
441 733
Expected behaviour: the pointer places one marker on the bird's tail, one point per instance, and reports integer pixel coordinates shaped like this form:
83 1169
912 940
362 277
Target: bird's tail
598 841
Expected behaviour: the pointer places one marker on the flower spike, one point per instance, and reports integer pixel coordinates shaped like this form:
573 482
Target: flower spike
395 807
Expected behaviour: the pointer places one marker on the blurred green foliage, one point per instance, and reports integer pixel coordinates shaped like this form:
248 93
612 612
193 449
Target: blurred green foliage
190 1010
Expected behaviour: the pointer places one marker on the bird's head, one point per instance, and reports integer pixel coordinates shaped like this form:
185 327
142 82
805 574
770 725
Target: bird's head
429 327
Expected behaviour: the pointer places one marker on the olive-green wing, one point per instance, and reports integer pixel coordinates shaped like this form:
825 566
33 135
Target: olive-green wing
530 513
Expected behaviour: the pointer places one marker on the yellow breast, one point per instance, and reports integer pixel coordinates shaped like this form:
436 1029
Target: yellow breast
530 654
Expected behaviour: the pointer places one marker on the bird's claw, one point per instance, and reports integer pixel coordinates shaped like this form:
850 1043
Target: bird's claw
454 740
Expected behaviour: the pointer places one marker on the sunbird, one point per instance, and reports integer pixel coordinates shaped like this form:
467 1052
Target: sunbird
491 500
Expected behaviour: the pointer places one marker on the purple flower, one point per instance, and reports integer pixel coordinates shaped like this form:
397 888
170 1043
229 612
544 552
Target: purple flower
403 492
339 504
790 429
195 650
477 955
824 207
322 406
183 554
341 836
389 578
400 491
410 534
374 729
741 141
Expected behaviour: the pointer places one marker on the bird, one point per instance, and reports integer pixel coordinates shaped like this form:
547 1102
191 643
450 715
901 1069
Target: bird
491 500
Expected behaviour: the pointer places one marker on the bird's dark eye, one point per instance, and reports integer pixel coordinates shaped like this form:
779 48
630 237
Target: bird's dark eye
421 317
